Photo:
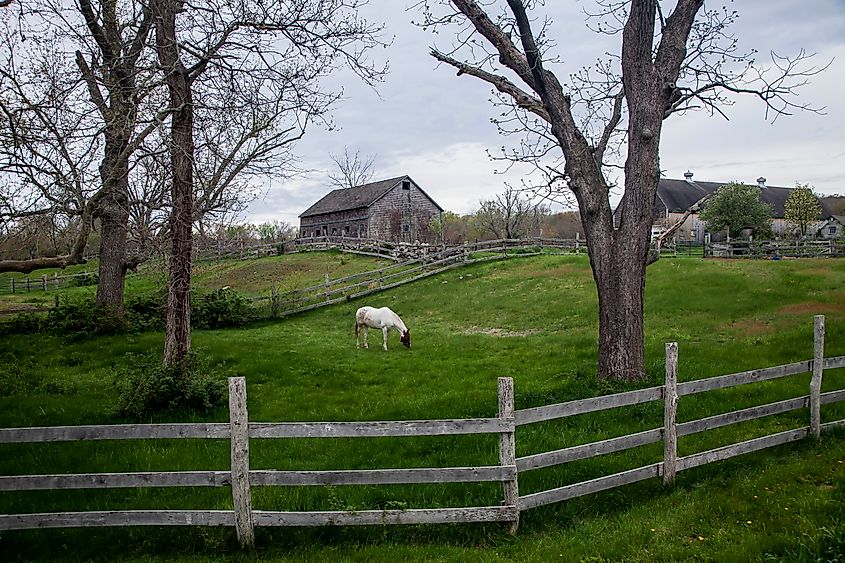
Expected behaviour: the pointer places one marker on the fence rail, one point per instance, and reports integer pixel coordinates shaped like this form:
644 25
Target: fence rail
774 249
241 478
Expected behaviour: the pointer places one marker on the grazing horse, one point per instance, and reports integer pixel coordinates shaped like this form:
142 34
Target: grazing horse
383 318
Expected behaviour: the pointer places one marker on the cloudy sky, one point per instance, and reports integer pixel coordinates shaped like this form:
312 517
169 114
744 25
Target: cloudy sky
426 122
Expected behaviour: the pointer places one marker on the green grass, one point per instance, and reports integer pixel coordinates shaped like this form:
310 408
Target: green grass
533 319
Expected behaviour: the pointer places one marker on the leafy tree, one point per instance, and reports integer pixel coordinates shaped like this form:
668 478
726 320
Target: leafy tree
736 207
801 208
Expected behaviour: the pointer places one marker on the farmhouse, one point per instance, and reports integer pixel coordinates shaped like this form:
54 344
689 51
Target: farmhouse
674 197
832 228
395 209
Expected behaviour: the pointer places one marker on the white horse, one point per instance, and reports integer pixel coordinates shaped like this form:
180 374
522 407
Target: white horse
383 318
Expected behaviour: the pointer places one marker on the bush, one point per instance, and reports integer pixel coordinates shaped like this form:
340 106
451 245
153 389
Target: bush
145 386
84 280
146 311
81 318
221 308
24 323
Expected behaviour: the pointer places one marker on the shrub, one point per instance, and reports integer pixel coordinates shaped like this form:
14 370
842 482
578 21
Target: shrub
145 386
84 280
81 318
146 311
221 308
24 323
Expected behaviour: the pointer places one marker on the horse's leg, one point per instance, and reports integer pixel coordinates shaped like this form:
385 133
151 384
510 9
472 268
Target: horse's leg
357 341
366 334
384 332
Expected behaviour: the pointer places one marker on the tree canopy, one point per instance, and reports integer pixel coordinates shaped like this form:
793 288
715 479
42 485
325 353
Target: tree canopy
736 207
802 208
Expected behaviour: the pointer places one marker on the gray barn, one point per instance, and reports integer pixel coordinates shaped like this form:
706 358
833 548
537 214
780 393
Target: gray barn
396 209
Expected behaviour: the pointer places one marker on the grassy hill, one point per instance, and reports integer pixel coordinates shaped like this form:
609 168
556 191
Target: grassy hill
533 319
251 277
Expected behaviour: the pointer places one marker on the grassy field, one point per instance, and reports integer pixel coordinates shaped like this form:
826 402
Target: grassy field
531 318
252 277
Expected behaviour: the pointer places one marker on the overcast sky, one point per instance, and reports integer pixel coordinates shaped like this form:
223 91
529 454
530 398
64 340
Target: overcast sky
426 122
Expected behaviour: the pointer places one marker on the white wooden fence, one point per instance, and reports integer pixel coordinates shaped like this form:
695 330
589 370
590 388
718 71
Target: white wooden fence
241 478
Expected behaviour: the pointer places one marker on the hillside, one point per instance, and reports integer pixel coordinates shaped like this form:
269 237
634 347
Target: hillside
530 318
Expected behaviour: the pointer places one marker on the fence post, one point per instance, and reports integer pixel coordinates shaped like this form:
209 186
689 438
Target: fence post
507 447
328 290
239 433
13 284
28 285
56 279
274 301
43 282
816 380
577 241
670 408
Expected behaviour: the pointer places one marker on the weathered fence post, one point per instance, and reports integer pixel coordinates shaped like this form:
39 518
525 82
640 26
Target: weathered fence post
28 285
43 282
12 281
239 432
670 409
274 301
507 447
56 279
577 242
816 380
380 277
328 289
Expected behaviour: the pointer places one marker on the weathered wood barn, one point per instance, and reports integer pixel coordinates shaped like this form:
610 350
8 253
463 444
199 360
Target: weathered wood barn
396 209
674 197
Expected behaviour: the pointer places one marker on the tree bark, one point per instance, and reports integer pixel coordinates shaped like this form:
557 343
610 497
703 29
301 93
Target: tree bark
113 212
177 340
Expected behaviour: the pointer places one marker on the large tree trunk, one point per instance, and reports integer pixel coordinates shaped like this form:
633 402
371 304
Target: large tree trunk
177 339
113 212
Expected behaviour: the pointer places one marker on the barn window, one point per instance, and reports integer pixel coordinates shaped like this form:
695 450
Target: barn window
832 230
346 230
406 227
406 185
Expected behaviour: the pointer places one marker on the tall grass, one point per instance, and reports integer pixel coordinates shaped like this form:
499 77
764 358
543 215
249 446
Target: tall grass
533 319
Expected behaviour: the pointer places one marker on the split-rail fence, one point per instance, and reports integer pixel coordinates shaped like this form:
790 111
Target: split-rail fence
421 264
239 430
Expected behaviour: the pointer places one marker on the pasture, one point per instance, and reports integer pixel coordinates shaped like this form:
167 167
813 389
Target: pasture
533 319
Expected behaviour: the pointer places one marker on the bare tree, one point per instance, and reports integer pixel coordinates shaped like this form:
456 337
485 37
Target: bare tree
668 64
351 169
271 56
509 216
106 95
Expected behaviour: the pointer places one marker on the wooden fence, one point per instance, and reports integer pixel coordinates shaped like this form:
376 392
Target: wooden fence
428 263
774 249
241 478
47 283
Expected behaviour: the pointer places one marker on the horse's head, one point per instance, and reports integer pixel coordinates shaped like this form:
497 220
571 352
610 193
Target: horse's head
406 338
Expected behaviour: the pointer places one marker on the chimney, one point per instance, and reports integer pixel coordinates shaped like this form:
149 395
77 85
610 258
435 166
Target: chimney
688 176
761 182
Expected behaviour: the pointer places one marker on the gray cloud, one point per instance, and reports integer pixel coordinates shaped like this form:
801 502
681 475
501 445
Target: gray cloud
426 122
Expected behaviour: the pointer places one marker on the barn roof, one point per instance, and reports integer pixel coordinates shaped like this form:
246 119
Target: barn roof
676 196
345 199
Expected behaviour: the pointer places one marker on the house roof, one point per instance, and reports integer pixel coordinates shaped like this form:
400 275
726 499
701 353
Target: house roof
358 197
676 196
